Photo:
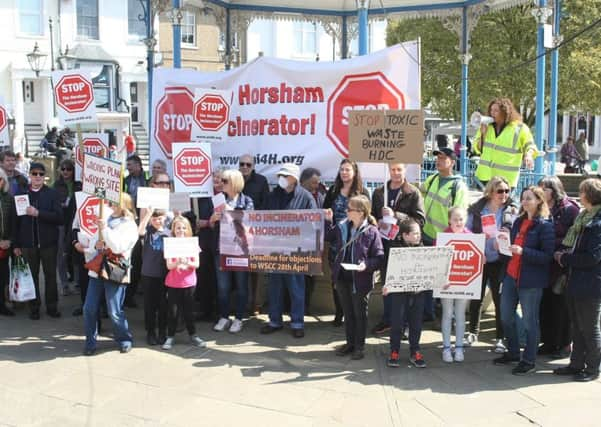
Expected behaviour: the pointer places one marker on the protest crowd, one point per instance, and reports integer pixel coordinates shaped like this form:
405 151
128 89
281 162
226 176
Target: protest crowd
541 252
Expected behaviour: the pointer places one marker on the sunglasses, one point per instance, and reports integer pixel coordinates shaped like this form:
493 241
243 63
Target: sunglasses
246 165
503 191
162 183
225 181
67 169
37 173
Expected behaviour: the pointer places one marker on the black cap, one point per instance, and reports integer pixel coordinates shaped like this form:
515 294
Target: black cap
446 151
38 166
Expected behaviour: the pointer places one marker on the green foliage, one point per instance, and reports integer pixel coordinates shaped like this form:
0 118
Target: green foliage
500 44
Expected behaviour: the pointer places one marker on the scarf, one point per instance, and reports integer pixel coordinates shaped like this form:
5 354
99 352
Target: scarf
581 220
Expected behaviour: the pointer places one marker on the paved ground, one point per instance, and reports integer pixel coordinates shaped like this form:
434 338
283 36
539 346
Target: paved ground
251 379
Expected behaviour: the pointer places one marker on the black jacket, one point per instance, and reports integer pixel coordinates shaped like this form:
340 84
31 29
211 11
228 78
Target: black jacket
256 188
7 211
298 199
409 203
46 201
333 193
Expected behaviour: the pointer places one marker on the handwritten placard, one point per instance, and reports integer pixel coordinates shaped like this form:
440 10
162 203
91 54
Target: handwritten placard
386 136
418 269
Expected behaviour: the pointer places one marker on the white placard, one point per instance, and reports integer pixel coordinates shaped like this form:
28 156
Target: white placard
504 241
465 278
102 178
156 198
349 267
218 202
4 135
210 114
179 202
192 169
74 96
418 269
180 247
21 204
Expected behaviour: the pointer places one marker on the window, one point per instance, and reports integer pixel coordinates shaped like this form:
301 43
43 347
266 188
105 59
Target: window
305 38
189 28
30 17
87 19
135 27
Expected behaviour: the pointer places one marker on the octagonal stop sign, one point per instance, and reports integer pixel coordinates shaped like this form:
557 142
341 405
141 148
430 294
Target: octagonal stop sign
467 262
90 146
211 112
192 166
88 213
369 91
74 93
2 118
173 118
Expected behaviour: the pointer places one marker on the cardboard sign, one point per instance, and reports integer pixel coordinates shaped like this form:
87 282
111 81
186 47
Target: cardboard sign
21 204
74 95
180 247
102 178
465 279
418 269
386 136
156 198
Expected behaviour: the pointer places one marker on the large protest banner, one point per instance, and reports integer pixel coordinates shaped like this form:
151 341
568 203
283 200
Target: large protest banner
286 111
272 241
465 278
418 269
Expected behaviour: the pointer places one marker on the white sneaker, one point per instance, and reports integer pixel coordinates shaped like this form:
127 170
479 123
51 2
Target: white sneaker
500 347
168 343
236 326
221 324
459 357
470 339
197 341
447 356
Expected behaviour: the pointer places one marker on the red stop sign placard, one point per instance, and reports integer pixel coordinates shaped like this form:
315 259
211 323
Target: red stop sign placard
192 166
467 262
211 112
2 118
90 146
173 118
370 91
74 93
87 215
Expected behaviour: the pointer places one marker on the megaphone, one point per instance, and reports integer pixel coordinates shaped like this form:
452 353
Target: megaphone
477 120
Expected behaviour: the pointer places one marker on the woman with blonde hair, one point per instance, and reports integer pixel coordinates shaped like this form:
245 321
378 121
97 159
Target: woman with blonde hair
359 243
117 235
527 273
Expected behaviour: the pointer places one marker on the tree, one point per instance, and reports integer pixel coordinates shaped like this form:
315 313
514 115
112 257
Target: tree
503 48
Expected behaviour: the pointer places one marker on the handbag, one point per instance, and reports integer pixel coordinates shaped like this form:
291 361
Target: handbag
115 268
560 285
21 287
95 264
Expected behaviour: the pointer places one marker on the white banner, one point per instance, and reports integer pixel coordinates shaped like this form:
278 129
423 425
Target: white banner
192 169
4 135
418 269
287 111
102 178
465 278
74 96
93 143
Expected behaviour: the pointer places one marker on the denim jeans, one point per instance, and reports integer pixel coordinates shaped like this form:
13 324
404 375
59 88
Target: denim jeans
529 299
406 307
114 295
450 307
225 281
296 287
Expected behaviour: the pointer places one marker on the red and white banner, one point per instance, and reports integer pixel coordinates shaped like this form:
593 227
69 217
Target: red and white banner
465 279
74 95
4 135
287 111
92 143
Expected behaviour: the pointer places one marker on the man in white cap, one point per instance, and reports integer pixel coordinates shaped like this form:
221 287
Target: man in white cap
290 195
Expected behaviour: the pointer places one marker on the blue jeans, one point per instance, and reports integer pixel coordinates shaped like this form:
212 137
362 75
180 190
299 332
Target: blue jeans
114 295
406 307
296 288
225 281
529 300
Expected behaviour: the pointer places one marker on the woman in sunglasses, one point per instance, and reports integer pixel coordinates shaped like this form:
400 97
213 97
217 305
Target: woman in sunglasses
66 186
494 211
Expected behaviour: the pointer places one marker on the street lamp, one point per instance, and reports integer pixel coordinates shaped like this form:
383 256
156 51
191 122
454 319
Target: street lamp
66 61
36 59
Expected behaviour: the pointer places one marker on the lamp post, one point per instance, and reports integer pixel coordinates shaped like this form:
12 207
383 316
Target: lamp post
36 59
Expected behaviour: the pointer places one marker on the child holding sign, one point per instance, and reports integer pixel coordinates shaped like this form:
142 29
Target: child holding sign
181 283
457 219
406 306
